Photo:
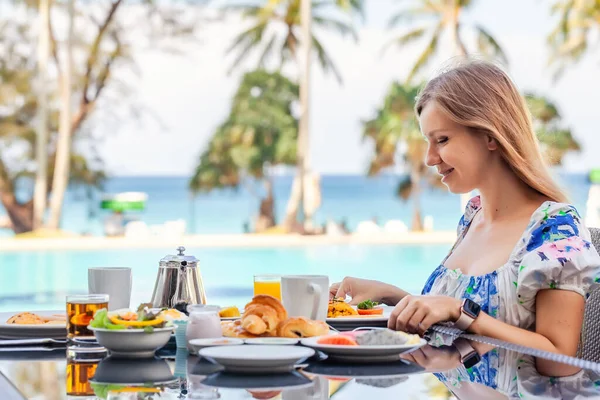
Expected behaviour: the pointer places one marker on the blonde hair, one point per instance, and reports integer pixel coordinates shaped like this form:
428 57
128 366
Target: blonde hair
481 96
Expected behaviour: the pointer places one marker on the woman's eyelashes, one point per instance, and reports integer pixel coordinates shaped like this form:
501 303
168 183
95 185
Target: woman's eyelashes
442 140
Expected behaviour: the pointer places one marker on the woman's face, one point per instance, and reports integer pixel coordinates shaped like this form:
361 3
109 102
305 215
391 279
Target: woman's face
459 155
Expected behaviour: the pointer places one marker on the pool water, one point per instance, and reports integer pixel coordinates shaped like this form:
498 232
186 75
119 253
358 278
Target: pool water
41 279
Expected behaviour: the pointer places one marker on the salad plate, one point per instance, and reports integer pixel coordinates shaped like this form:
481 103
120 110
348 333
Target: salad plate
129 334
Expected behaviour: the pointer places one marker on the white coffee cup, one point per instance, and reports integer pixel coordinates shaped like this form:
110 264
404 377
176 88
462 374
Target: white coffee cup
116 282
305 295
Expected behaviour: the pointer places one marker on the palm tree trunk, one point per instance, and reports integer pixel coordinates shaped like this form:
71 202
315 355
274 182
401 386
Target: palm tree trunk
303 162
20 215
60 181
459 46
266 213
41 153
417 220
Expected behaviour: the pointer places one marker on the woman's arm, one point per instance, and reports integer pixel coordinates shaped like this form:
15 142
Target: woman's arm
365 289
559 317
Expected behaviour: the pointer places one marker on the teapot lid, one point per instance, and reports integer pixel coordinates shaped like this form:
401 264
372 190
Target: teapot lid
179 258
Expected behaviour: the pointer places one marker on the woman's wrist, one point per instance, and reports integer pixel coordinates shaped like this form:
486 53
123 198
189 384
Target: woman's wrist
391 295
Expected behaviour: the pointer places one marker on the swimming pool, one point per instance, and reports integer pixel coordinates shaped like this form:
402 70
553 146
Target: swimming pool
40 279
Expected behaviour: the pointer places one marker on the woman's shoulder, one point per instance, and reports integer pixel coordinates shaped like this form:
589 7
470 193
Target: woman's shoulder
553 221
473 205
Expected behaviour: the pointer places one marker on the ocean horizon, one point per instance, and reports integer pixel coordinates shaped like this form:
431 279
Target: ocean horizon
345 197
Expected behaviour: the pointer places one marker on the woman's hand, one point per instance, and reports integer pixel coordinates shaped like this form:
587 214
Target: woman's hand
435 359
416 314
364 289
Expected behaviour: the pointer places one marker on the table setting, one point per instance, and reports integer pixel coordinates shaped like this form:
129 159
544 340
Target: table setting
289 323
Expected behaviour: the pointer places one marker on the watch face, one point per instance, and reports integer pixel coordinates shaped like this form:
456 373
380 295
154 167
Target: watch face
471 360
471 308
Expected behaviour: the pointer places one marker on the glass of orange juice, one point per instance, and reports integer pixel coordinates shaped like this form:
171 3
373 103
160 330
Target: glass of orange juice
268 284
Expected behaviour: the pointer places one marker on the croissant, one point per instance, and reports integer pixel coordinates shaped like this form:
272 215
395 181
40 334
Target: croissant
262 315
235 330
301 327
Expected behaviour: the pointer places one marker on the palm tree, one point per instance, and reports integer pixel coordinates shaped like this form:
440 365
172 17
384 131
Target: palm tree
578 23
555 140
398 141
259 133
439 17
270 15
262 36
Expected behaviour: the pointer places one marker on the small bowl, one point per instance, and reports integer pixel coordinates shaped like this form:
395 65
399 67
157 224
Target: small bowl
132 343
198 344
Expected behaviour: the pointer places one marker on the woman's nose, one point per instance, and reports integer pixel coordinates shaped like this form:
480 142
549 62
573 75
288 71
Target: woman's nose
432 157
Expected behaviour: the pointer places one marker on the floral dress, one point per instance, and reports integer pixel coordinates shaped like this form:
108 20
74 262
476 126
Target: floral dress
554 252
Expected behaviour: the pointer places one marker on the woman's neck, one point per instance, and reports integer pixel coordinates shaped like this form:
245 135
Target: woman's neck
504 196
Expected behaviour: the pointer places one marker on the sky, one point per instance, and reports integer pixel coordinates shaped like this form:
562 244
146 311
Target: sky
190 94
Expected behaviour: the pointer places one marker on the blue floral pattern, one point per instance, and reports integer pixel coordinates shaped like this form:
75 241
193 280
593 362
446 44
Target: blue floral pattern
554 252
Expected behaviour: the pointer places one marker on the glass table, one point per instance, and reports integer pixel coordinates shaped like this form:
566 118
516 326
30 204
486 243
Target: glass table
430 372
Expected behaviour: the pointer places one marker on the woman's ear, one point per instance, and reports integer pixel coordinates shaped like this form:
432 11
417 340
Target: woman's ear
491 143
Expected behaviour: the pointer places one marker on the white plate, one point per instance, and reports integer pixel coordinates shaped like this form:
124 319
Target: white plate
257 359
16 331
366 354
198 344
272 341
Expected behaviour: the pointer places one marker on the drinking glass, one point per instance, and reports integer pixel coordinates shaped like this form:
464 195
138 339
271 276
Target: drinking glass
268 284
80 312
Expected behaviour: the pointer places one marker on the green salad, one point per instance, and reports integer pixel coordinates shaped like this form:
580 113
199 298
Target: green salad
144 318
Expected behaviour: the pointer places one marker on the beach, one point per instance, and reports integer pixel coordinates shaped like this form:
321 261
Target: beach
223 241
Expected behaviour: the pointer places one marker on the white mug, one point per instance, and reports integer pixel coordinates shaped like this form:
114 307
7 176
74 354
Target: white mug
116 282
305 295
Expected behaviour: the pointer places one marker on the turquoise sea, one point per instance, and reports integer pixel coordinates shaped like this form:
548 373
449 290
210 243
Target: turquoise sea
41 279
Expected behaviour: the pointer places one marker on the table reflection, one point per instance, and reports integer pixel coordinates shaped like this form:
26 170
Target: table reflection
173 375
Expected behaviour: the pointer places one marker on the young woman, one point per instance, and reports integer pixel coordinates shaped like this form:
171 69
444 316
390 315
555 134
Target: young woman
523 263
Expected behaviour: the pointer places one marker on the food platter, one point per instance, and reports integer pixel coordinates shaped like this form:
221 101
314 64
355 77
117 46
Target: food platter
362 354
349 322
55 330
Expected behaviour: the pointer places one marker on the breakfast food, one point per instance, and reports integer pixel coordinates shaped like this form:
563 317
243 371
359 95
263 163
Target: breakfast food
369 307
234 329
375 337
339 308
229 312
265 316
145 318
301 327
172 315
386 337
27 318
343 340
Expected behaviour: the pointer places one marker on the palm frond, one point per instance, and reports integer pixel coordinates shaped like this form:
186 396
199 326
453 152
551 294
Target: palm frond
326 63
426 55
267 51
340 27
411 14
488 45
406 38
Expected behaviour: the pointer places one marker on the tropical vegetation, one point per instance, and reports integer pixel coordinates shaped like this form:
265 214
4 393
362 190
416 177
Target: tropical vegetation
102 43
259 133
434 20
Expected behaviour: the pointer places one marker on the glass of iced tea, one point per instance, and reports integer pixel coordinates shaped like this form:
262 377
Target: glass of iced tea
80 312
81 368
268 284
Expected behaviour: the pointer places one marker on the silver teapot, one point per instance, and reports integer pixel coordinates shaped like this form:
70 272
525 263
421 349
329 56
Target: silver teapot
179 282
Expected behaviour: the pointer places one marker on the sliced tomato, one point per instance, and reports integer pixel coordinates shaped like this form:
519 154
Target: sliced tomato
342 340
370 311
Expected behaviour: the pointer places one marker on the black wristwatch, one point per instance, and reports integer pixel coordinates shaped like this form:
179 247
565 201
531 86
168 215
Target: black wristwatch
468 355
469 310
